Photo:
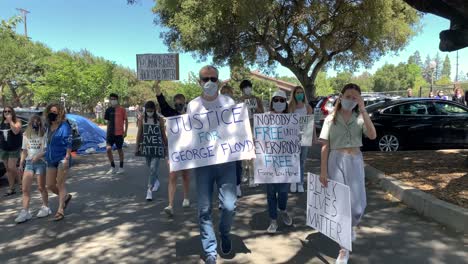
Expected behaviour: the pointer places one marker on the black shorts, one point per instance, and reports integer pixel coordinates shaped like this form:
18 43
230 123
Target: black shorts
117 140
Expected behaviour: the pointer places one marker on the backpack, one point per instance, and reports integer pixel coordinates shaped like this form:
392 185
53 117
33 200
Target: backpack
76 137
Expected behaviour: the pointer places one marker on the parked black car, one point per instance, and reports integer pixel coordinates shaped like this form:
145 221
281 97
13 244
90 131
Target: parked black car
420 123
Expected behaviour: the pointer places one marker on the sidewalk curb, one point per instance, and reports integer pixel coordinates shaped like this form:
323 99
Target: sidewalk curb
450 215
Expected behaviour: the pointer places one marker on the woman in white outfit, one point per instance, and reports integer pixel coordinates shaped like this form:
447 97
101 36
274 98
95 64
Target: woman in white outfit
342 160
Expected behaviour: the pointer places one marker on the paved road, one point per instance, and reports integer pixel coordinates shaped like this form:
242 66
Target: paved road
109 221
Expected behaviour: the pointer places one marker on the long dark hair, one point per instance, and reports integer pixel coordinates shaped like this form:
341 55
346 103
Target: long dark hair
60 113
13 114
349 86
150 105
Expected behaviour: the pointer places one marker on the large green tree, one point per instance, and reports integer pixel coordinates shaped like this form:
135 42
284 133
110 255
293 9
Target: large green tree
446 67
20 61
398 77
303 36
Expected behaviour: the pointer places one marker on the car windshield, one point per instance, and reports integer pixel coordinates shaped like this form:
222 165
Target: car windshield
373 107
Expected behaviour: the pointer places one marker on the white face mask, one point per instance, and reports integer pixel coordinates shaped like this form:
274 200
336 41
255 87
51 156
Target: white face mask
348 104
150 114
279 106
210 88
248 90
114 102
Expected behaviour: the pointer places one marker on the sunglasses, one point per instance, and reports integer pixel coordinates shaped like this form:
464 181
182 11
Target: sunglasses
281 100
7 111
206 79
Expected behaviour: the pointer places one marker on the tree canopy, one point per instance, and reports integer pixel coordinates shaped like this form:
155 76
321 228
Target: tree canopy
303 36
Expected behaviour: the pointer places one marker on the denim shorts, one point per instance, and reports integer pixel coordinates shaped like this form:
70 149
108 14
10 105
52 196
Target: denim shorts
55 165
37 168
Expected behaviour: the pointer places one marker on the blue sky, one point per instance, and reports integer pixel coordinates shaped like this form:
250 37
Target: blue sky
116 31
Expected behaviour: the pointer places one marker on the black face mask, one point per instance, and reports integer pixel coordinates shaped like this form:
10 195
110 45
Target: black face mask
179 107
52 117
35 126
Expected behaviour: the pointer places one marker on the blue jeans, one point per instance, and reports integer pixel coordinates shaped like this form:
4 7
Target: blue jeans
303 158
153 164
277 197
224 175
238 171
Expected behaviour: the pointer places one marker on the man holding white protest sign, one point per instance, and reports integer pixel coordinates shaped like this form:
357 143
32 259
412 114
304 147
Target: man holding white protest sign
209 138
277 147
341 158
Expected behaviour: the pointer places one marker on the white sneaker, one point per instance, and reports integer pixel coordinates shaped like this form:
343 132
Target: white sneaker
287 220
111 171
169 211
44 211
23 216
149 195
186 203
343 257
120 171
293 187
156 186
239 191
300 188
273 226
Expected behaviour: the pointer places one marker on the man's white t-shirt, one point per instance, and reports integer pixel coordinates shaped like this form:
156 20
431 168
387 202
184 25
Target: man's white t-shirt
34 145
199 104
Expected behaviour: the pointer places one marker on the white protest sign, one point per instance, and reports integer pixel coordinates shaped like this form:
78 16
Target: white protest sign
306 125
329 209
252 105
209 137
277 148
158 66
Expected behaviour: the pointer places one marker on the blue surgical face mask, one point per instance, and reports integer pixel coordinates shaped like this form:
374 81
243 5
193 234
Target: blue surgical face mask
210 88
279 107
348 104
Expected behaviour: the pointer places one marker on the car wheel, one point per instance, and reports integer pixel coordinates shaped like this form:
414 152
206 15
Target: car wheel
389 142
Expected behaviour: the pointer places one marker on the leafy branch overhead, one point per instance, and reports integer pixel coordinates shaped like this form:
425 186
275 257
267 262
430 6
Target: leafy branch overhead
303 36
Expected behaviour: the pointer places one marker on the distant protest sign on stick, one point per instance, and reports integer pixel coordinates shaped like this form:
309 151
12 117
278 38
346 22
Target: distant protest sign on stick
329 209
306 126
158 66
277 148
209 137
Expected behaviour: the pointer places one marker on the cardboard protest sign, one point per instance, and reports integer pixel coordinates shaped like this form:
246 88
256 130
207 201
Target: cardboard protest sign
152 143
277 148
158 66
329 209
209 137
306 126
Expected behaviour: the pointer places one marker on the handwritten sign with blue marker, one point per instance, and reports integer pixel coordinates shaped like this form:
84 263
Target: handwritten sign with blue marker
277 148
209 137
329 210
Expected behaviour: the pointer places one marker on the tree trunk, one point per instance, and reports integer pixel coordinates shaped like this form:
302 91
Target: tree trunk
17 101
2 97
309 87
